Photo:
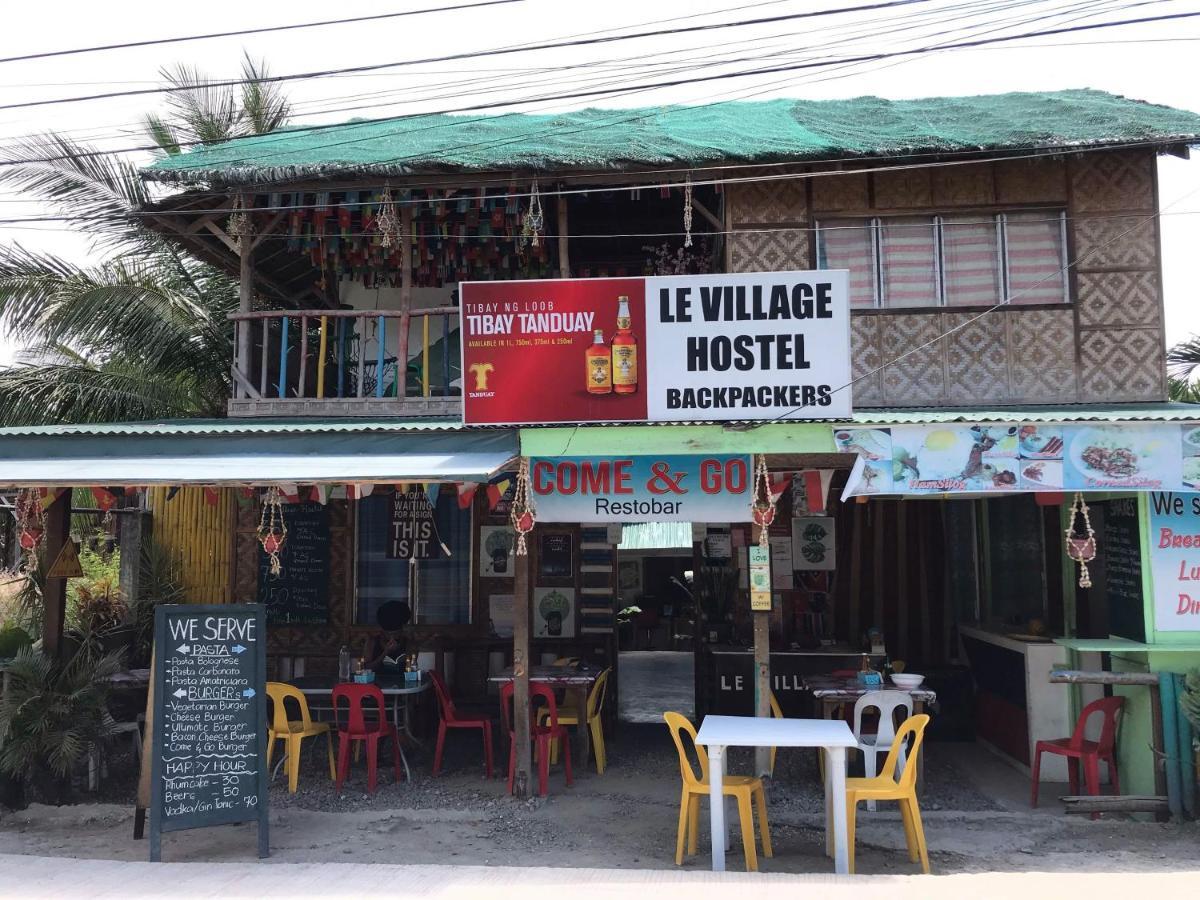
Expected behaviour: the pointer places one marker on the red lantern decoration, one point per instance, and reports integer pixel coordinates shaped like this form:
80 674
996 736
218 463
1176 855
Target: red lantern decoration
522 514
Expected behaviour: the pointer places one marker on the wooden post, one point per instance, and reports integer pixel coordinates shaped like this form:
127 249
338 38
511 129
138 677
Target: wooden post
700 659
762 676
245 305
521 663
564 255
406 286
58 532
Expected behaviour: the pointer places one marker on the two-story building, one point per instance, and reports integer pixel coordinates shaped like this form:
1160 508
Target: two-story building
1004 271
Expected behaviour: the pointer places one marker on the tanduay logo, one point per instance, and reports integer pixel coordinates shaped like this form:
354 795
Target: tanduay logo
482 372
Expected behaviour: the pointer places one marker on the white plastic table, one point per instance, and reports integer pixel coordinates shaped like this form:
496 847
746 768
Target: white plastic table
832 736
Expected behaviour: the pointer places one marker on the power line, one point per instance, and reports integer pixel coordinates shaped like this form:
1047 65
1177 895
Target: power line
223 34
271 79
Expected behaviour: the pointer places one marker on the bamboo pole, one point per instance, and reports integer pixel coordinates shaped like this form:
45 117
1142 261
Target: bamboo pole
521 662
564 256
283 354
58 532
425 356
245 305
321 359
302 388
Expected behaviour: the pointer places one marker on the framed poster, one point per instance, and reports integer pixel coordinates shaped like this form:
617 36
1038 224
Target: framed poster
813 547
553 612
500 611
496 543
555 554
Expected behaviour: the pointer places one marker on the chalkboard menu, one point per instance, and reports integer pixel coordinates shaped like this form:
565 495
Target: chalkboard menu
1121 557
299 594
554 555
208 764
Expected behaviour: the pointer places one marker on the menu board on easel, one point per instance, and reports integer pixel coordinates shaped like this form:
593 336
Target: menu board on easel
209 724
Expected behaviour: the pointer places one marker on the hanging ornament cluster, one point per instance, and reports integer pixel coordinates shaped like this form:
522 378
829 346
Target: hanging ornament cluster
762 509
535 221
687 211
239 227
31 525
387 223
1081 543
272 531
522 513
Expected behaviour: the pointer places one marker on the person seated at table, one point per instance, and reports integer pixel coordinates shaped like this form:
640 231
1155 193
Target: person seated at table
383 651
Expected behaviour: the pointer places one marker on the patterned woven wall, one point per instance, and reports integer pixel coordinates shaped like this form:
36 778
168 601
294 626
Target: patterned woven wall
1106 346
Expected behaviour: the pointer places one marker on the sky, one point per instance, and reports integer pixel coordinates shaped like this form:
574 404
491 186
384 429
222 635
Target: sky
1150 61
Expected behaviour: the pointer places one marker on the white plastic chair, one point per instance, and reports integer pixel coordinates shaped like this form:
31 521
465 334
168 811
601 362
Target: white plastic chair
887 702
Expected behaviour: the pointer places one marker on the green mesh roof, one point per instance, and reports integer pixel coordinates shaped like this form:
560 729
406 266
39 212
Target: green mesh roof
735 132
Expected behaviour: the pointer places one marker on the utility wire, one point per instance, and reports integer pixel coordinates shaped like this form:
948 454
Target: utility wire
224 34
271 79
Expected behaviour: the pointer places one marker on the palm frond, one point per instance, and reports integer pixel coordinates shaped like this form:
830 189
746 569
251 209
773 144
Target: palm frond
264 106
207 111
100 189
163 134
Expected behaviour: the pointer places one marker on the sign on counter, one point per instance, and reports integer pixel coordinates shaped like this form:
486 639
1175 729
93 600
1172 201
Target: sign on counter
208 764
745 347
641 488
1175 560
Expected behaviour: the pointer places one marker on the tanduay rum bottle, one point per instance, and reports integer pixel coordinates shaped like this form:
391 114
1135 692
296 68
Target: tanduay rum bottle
624 351
598 360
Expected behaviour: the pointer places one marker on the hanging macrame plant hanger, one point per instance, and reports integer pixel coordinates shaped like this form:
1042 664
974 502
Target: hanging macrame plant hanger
1081 548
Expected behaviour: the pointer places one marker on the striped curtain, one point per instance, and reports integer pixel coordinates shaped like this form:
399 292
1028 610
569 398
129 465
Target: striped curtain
908 263
971 260
1035 257
847 244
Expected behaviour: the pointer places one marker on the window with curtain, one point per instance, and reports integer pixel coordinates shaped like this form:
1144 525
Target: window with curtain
908 261
850 244
979 259
1035 253
438 590
971 272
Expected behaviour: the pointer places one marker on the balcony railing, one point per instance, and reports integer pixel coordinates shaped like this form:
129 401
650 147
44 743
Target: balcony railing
346 362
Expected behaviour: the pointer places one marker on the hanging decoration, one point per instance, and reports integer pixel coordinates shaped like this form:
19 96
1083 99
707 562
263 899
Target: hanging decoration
31 526
387 222
687 211
239 226
522 513
272 531
1082 549
531 228
762 508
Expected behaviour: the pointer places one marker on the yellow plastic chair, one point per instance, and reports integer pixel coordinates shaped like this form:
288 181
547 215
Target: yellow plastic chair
745 788
886 786
284 729
776 713
569 715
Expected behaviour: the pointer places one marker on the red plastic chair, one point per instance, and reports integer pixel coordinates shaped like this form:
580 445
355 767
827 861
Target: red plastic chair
451 719
1078 749
544 734
357 728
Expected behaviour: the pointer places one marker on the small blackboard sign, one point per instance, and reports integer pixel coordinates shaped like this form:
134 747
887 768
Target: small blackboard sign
299 594
1120 546
554 554
412 532
208 762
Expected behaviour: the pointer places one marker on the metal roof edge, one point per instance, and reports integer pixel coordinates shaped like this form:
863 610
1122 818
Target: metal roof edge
235 426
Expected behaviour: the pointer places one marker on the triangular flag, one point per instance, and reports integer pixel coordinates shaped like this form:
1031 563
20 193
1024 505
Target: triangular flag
291 492
211 496
105 499
826 477
493 494
172 491
813 494
431 491
320 494
49 495
466 493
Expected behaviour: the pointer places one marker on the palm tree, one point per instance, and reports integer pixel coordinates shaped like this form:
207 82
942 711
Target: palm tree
143 332
1183 364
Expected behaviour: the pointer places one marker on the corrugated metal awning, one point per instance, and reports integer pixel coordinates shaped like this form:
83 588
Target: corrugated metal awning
120 455
1109 412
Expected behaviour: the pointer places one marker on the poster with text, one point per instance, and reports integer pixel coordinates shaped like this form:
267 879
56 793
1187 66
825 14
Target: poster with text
745 347
553 612
1175 560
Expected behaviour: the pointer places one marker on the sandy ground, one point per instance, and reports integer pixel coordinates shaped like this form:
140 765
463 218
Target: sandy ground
975 809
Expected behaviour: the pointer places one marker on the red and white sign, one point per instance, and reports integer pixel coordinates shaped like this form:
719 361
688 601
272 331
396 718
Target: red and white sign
755 347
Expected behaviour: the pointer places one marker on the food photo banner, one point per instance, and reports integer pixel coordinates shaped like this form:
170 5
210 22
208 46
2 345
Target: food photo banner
751 347
641 488
981 458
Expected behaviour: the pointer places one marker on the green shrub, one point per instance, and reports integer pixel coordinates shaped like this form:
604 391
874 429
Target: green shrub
12 639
